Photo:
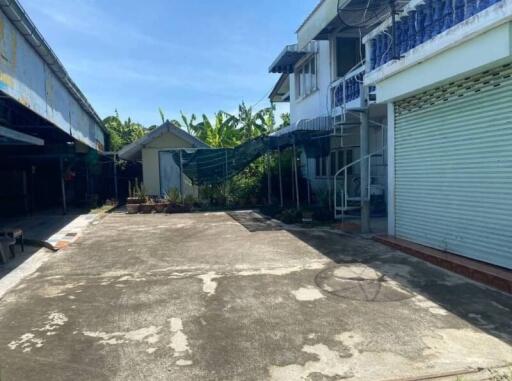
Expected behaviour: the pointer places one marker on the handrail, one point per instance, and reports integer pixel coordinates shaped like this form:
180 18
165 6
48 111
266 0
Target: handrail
344 200
349 86
352 73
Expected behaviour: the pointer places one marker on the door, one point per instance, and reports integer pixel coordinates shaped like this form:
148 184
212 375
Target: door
453 163
169 172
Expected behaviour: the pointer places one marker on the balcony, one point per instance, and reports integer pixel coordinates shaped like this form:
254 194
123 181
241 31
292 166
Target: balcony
347 92
420 22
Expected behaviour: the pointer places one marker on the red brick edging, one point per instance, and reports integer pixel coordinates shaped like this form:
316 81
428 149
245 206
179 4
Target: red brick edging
494 276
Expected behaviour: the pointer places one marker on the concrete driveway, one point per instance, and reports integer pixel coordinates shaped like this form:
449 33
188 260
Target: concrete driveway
218 296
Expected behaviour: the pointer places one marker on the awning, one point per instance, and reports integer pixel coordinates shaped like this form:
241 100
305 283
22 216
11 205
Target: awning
13 137
281 90
287 59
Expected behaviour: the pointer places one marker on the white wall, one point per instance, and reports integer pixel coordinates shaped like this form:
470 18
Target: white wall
150 162
316 104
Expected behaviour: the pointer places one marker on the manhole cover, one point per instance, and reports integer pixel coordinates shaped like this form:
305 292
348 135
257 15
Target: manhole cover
357 281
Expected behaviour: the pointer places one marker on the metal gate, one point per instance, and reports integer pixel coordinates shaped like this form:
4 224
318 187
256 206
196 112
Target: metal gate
453 167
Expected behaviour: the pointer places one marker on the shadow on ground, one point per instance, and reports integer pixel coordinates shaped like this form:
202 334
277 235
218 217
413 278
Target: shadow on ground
364 273
37 228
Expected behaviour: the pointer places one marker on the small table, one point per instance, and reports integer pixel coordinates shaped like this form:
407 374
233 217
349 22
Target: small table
16 234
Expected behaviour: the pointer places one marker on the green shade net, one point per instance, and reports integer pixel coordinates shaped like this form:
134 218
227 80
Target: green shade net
213 166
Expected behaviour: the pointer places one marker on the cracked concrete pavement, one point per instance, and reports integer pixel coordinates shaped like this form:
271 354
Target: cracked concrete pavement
217 296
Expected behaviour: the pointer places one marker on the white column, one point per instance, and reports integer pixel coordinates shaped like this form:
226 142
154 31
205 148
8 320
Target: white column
391 168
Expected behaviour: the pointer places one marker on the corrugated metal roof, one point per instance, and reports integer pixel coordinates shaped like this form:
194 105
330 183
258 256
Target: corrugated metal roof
20 19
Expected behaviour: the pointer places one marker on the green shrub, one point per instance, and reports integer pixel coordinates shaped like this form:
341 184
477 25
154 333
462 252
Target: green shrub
173 196
189 201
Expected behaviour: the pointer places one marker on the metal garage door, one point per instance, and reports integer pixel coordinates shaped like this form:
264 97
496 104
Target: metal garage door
453 163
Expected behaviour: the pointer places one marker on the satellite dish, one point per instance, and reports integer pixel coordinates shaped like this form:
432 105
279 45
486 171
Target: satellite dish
367 13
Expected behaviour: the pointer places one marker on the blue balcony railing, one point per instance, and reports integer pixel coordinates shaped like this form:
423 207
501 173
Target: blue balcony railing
348 88
418 25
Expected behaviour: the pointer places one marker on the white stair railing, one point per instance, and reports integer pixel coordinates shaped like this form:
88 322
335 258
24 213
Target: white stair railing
341 202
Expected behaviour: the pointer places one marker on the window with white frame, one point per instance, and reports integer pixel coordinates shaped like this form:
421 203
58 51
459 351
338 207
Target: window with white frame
306 78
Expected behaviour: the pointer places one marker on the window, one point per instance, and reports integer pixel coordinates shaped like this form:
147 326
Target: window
348 54
306 78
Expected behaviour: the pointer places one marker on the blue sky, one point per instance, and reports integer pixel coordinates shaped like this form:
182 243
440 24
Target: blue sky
198 56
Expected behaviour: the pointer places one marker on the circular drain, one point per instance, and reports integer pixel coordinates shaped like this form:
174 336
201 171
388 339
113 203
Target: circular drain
357 281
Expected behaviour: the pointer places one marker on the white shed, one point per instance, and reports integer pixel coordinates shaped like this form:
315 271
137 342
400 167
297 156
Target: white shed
161 175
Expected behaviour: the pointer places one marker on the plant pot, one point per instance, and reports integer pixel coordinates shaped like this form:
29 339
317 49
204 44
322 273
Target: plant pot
135 200
132 208
307 217
174 208
146 208
161 207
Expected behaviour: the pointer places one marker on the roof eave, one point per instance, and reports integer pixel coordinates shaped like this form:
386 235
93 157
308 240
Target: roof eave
22 22
131 152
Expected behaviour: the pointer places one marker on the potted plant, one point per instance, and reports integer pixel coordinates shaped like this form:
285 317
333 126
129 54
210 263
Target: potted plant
188 203
173 199
136 197
161 205
307 216
147 207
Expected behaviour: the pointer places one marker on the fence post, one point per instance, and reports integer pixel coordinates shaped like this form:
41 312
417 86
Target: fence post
296 174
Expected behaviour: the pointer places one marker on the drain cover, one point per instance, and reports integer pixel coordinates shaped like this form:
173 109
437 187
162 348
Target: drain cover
357 281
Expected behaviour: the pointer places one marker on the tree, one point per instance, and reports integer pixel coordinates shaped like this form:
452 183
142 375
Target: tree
267 119
285 118
251 125
189 123
222 133
122 133
161 112
174 122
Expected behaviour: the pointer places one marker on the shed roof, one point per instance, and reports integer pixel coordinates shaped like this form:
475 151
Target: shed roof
133 151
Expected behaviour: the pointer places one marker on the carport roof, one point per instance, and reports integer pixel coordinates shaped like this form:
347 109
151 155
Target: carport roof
132 152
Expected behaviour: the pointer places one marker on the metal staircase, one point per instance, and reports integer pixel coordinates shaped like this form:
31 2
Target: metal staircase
344 200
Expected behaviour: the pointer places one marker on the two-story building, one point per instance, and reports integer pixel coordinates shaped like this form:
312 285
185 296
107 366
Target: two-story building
429 84
322 79
448 92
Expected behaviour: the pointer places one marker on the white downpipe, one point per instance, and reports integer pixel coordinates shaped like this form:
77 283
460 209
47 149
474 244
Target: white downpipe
391 169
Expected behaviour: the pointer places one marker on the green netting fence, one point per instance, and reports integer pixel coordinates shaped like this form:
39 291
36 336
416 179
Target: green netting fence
213 166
